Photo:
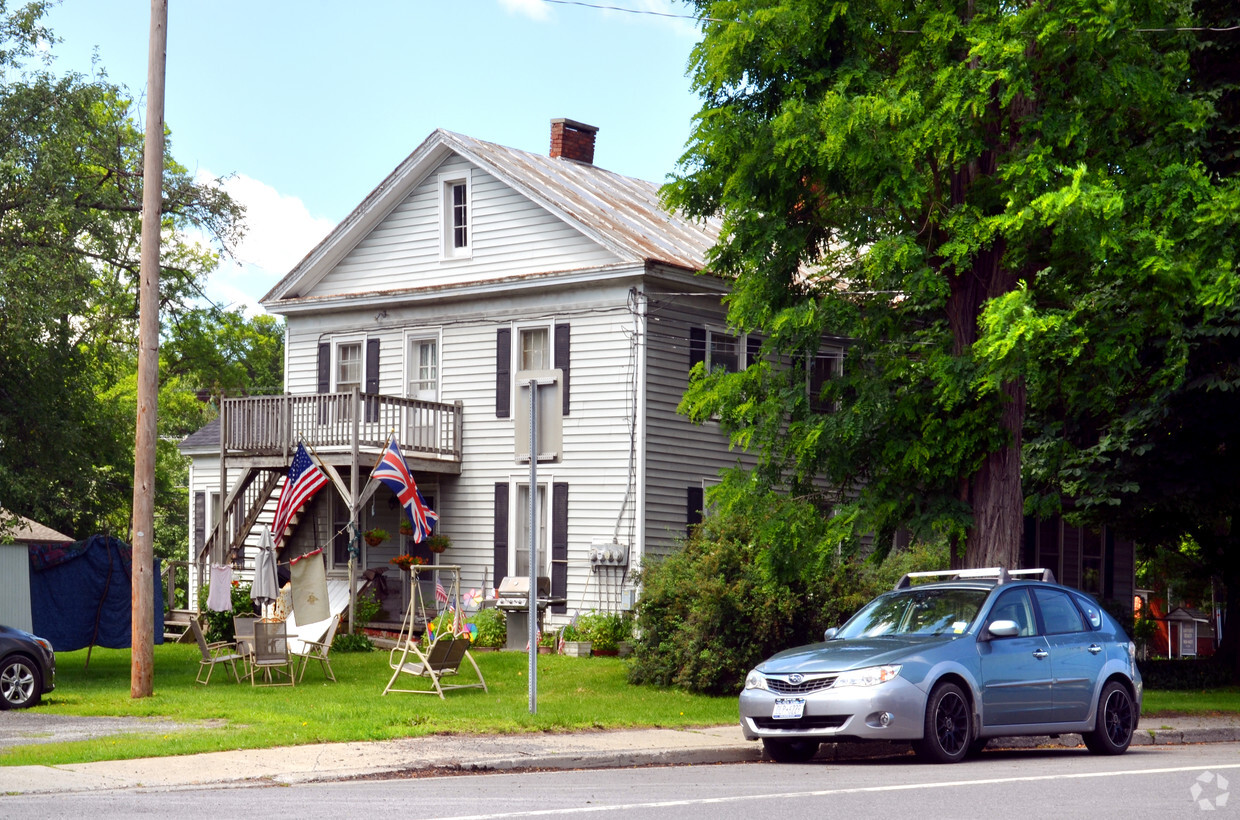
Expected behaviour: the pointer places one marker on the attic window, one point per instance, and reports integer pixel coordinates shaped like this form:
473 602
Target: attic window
455 211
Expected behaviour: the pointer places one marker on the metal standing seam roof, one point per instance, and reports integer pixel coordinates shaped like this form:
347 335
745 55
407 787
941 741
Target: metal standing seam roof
622 213
624 210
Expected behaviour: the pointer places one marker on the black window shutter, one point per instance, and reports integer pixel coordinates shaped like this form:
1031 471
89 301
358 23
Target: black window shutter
503 372
695 502
697 345
562 361
200 522
753 349
559 544
501 532
372 378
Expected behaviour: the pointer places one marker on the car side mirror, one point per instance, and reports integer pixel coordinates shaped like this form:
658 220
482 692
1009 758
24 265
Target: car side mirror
1003 629
830 633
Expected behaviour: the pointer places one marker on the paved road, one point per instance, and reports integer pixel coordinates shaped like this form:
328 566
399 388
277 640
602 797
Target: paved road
1150 781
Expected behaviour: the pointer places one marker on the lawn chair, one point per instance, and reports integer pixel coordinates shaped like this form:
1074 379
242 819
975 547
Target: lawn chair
213 653
318 651
243 634
270 654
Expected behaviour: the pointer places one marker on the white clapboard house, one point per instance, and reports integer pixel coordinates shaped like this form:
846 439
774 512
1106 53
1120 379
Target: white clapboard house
469 272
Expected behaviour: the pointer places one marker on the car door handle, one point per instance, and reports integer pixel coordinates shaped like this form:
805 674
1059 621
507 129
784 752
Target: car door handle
1040 653
1094 649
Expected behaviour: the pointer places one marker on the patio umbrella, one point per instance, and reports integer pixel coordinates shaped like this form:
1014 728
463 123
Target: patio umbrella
265 588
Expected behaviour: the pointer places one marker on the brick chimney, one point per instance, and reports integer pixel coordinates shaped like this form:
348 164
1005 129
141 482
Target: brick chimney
572 140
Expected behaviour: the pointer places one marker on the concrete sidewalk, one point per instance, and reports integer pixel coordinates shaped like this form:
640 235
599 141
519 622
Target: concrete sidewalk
460 753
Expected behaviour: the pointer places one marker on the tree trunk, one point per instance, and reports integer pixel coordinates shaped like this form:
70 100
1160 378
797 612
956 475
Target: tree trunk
998 500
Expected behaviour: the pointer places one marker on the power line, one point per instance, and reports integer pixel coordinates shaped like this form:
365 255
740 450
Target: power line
632 11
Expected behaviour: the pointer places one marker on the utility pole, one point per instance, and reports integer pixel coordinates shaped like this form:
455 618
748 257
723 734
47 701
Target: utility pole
142 640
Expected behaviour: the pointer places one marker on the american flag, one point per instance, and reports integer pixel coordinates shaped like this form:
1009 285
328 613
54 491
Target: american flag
304 479
393 472
441 594
460 629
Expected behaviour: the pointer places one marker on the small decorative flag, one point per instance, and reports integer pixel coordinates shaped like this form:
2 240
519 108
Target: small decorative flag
441 594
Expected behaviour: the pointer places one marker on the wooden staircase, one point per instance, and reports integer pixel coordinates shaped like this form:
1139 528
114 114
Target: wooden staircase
176 626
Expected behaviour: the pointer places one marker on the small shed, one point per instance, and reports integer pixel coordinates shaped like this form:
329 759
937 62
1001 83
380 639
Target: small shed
19 533
1191 633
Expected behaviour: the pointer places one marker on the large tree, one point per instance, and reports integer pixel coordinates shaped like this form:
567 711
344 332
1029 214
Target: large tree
995 205
70 207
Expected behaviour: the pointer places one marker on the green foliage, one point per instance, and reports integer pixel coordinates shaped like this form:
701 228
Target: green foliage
714 609
492 628
1178 675
604 630
365 608
219 625
1004 213
352 642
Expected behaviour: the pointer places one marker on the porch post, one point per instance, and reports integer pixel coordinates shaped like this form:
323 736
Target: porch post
357 411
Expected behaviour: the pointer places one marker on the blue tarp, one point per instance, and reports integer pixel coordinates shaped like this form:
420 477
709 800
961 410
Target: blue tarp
80 594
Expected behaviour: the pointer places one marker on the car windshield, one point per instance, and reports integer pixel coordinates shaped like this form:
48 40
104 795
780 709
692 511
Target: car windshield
916 612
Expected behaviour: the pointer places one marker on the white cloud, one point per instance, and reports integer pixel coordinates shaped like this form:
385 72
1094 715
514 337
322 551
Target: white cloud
280 230
533 9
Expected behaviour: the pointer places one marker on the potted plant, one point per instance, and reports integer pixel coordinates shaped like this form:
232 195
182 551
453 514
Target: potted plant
575 645
437 542
406 528
404 562
375 536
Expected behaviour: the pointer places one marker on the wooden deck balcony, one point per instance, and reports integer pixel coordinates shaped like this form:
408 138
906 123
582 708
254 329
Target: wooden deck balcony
341 427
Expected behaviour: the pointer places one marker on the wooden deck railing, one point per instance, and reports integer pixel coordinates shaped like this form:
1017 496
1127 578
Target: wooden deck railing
272 425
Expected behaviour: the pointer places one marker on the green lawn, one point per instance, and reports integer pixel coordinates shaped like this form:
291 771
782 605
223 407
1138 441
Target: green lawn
573 693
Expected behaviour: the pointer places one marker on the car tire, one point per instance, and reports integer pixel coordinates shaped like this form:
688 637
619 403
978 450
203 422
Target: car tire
21 683
1114 723
978 746
948 733
790 751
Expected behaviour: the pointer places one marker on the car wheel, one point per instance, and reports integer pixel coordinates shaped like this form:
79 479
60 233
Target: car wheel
949 726
790 751
21 685
1115 721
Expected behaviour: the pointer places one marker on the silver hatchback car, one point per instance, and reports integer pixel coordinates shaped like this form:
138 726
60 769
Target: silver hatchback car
950 664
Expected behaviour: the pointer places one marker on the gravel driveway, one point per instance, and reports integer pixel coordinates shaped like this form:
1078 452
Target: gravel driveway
29 726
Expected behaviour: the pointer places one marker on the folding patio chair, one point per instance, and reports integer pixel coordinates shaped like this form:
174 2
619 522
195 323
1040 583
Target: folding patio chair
270 655
213 653
318 651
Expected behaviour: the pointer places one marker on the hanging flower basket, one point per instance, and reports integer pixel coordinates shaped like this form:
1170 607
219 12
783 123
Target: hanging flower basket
404 562
437 543
406 528
375 537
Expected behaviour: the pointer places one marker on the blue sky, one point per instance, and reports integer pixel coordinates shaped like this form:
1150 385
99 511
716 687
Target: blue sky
308 105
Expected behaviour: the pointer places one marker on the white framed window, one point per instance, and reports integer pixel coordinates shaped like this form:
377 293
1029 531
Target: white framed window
533 348
519 557
827 365
347 373
422 368
456 217
723 351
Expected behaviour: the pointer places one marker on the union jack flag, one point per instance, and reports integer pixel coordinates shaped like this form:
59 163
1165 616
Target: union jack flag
393 472
304 479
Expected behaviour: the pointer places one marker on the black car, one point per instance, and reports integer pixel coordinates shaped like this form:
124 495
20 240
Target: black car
27 668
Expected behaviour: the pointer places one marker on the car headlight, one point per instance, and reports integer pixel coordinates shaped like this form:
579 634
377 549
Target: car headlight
870 676
755 680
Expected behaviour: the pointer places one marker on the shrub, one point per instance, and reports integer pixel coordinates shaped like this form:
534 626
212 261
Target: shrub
604 630
365 608
492 628
714 609
220 624
1197 673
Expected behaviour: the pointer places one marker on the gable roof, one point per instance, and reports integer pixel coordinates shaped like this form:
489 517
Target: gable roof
26 530
621 213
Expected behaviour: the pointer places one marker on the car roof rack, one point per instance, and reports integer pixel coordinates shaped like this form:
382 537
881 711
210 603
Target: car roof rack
1002 574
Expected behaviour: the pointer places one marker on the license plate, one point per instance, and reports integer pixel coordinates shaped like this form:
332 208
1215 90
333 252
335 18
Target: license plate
789 708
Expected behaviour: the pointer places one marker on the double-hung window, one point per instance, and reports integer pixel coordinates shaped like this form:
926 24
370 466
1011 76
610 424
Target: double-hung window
520 559
456 215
